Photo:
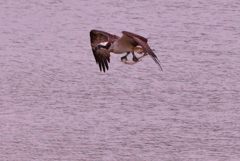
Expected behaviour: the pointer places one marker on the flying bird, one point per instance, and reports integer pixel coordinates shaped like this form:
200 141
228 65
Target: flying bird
103 43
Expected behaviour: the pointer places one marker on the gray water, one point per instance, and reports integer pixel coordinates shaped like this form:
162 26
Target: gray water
55 104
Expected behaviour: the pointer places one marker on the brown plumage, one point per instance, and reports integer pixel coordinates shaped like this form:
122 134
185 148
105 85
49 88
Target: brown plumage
103 43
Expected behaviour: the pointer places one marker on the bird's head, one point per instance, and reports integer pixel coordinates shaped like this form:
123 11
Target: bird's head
104 45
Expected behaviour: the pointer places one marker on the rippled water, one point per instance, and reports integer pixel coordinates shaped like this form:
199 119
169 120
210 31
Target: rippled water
56 105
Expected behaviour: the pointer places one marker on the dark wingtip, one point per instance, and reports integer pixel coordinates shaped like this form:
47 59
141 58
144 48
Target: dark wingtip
157 62
102 66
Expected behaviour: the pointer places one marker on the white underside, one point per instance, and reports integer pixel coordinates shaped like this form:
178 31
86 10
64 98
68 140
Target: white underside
119 48
122 45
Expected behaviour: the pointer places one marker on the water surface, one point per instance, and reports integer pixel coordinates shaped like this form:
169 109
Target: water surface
56 104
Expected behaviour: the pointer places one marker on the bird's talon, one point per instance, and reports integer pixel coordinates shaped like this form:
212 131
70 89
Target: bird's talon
124 59
135 59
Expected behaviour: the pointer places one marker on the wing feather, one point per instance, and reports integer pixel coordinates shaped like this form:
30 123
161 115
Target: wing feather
135 35
141 41
101 55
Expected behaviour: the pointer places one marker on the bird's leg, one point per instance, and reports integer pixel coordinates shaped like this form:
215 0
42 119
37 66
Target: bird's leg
125 57
135 59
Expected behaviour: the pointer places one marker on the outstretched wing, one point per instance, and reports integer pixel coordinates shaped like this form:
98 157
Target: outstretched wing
135 35
101 55
139 40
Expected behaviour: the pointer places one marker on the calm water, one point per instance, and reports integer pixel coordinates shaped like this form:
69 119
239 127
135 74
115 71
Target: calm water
56 105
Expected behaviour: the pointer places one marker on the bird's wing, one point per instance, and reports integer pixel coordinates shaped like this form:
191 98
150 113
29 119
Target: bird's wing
98 37
139 40
135 35
101 55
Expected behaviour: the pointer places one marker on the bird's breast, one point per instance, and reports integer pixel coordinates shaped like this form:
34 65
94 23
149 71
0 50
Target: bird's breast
120 48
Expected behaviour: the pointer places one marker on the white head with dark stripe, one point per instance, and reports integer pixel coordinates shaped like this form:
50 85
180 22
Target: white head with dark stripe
105 45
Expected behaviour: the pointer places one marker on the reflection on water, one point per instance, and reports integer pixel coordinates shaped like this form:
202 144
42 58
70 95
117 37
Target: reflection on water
56 105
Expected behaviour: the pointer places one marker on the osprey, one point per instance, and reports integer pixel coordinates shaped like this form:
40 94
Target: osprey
103 43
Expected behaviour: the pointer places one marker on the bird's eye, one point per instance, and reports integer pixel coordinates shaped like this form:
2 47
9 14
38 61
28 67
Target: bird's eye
98 47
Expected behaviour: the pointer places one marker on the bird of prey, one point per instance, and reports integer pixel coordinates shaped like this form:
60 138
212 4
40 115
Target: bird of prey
103 43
